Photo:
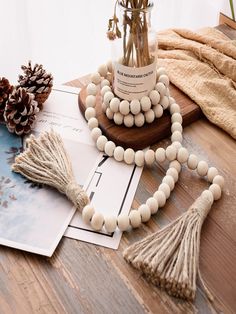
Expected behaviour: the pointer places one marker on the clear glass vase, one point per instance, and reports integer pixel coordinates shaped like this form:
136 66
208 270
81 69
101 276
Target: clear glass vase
134 53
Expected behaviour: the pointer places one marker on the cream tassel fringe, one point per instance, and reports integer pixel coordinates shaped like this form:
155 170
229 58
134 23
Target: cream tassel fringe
170 257
45 161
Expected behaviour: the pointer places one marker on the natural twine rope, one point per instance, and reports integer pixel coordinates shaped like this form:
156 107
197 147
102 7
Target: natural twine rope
45 161
170 257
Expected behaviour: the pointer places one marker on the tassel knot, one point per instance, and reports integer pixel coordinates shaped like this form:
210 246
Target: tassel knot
78 196
170 257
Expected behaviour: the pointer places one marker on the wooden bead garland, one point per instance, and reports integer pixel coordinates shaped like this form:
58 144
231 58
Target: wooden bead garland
169 257
137 112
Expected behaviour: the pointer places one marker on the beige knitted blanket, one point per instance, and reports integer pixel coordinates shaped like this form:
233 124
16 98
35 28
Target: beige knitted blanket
203 66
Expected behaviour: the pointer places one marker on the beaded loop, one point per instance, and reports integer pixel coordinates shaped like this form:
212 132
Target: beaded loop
137 112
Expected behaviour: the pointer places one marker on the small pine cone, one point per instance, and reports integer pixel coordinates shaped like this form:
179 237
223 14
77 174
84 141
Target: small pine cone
37 81
5 89
20 111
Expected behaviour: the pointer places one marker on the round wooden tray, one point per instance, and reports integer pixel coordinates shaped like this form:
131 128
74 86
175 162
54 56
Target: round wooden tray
149 134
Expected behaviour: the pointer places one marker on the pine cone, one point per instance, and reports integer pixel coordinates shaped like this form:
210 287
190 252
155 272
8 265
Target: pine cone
20 111
36 81
5 90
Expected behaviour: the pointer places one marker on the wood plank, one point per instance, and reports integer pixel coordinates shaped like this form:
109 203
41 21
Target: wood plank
223 19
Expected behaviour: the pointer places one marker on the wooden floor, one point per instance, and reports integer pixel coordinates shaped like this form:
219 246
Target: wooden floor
84 278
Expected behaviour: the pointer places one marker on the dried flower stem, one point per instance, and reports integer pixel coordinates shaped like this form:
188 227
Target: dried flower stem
135 32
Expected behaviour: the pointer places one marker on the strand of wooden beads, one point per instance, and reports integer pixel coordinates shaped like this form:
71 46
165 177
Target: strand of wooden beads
134 112
158 200
175 154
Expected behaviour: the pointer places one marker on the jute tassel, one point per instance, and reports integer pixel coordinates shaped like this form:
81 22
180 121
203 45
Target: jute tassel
45 161
170 257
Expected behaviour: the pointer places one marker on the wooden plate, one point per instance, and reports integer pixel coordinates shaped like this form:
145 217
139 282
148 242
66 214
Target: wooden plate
149 134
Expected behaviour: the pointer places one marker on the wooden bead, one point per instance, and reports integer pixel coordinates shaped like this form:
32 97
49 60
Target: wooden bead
109 66
154 97
216 191
164 79
109 148
90 112
219 180
96 78
176 117
145 103
171 152
87 213
149 116
152 204
105 89
176 137
139 120
90 101
129 120
160 155
202 168
211 173
102 70
161 88
145 212
165 188
161 71
95 133
101 142
123 222
92 123
174 173
182 155
172 100
129 156
149 157
104 107
124 107
114 104
110 224
118 118
160 197
176 126
91 89
97 221
164 102
135 218
158 111
174 108
170 181
105 82
119 153
175 164
208 196
177 145
109 113
139 158
192 162
135 106
108 96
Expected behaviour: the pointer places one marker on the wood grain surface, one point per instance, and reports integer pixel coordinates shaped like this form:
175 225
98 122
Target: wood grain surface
149 134
84 278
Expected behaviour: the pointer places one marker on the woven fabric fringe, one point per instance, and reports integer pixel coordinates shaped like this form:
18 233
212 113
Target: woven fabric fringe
203 66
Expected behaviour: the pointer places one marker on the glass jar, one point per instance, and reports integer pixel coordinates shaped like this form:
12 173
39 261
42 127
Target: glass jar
134 53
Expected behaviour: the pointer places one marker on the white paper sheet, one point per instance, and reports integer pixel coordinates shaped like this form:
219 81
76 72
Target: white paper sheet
111 185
